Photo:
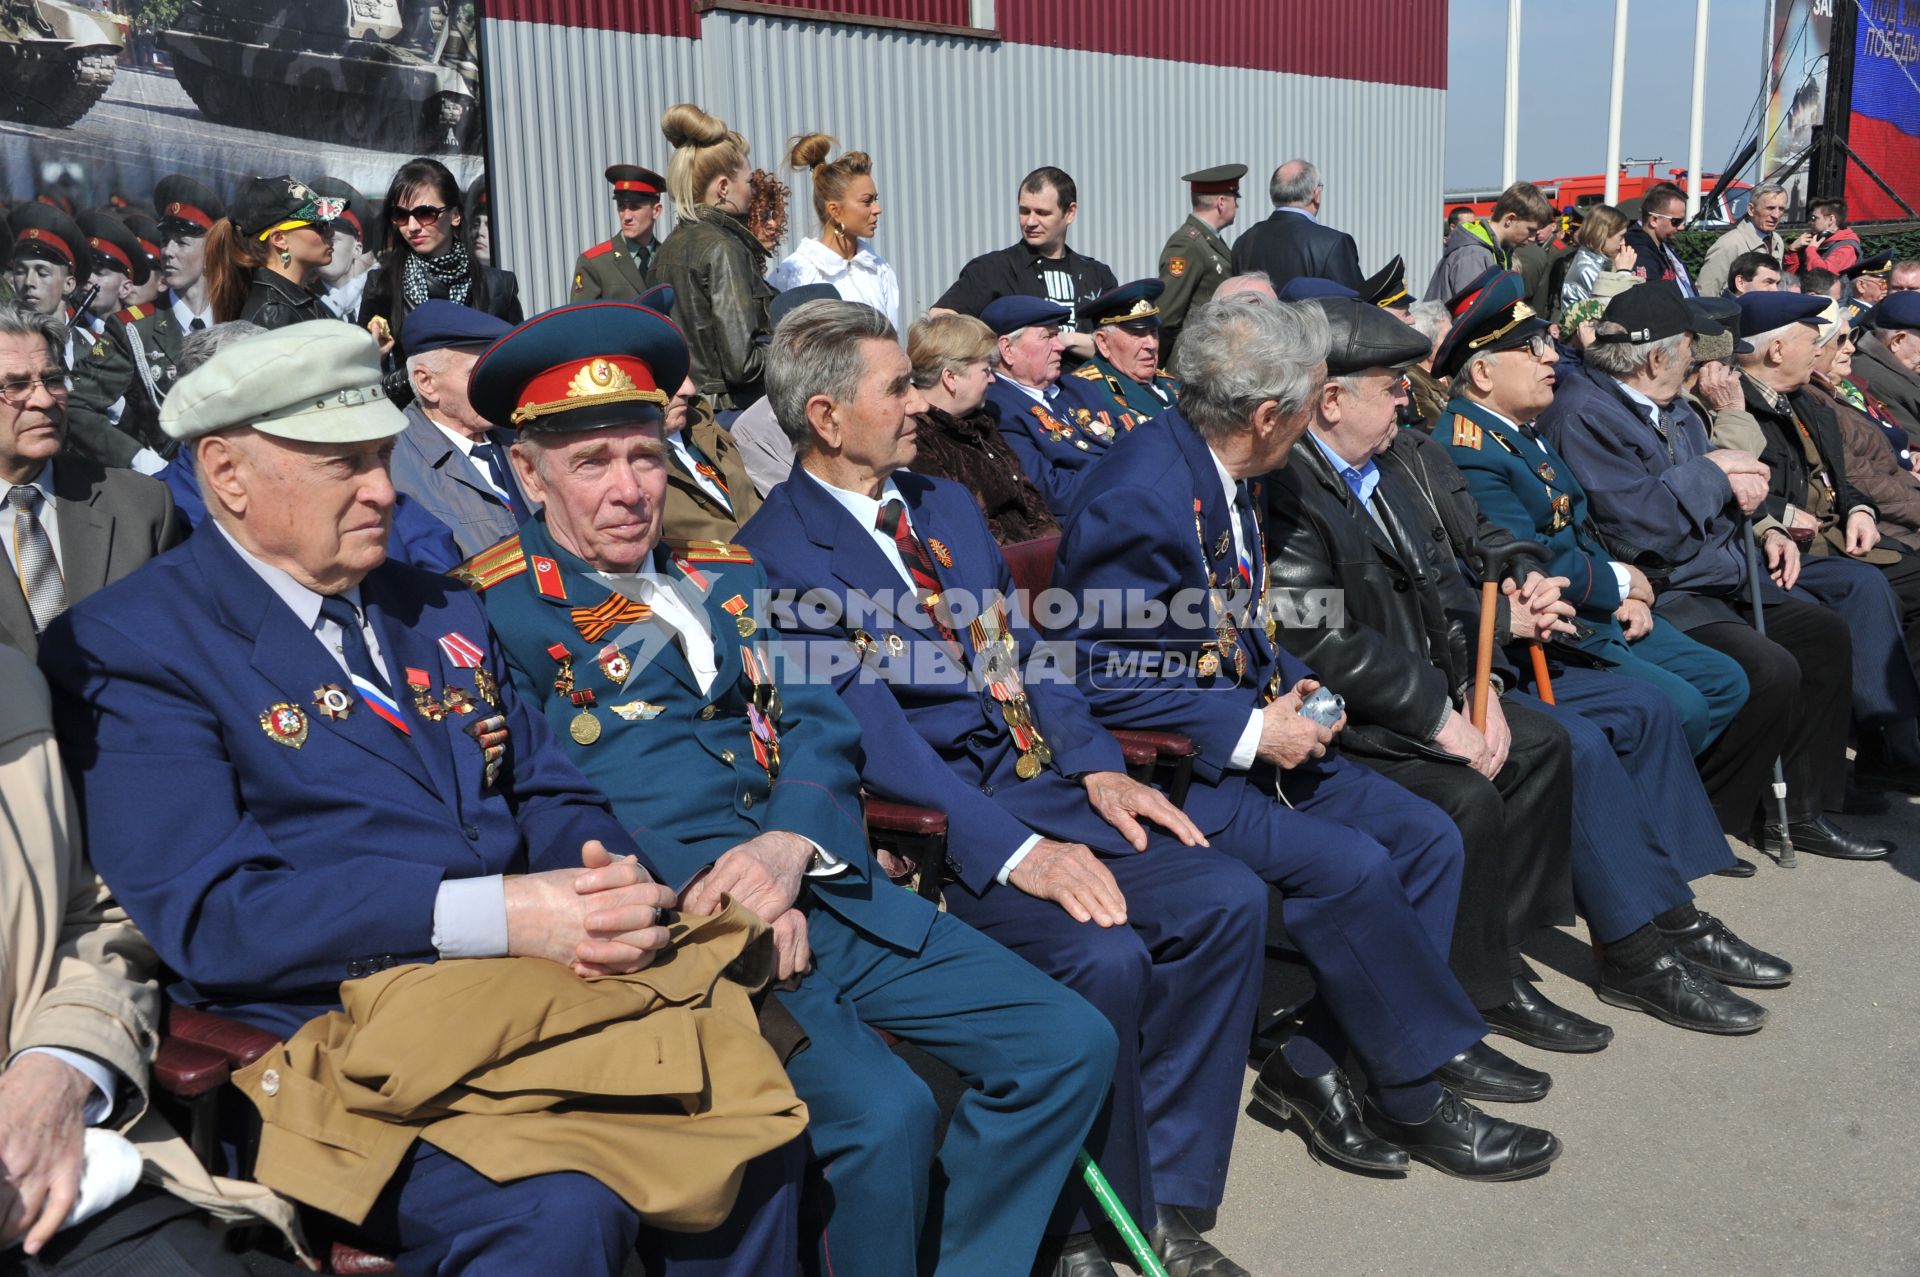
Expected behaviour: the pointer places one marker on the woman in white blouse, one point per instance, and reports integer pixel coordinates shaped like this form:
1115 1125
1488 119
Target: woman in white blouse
842 255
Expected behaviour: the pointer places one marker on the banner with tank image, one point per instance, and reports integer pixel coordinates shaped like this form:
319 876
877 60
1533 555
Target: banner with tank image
99 99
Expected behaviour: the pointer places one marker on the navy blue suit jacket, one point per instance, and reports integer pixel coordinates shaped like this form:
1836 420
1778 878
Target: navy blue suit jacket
1053 444
930 735
1151 525
266 873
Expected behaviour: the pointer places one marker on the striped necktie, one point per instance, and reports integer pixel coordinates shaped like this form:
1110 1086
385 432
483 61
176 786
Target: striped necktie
893 522
40 577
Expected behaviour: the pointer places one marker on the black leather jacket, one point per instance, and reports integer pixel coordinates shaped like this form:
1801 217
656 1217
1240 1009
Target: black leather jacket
714 265
275 301
1399 646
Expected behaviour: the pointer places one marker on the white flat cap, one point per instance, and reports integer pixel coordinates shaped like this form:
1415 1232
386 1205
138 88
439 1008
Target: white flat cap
316 382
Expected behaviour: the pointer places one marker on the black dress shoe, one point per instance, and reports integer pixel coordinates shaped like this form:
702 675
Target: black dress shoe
1821 837
1184 1252
1738 869
1081 1256
1528 1017
1482 1073
1711 945
1331 1116
1674 990
1462 1141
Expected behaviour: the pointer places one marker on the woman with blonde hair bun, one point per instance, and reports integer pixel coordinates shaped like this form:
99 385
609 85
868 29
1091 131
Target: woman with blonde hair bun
713 261
848 205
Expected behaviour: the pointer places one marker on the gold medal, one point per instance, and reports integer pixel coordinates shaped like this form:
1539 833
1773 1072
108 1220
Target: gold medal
745 625
1240 661
484 685
285 724
1208 664
1028 767
585 728
1042 751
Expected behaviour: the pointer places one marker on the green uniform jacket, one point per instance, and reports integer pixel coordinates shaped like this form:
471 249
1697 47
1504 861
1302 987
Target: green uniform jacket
691 513
151 337
102 376
1130 402
1193 263
613 272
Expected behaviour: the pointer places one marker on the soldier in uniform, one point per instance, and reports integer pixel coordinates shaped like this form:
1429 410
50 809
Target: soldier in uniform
1195 259
147 231
1124 377
120 267
152 333
689 712
618 269
1867 285
50 256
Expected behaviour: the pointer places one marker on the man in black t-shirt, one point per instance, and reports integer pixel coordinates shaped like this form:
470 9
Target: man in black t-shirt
1040 265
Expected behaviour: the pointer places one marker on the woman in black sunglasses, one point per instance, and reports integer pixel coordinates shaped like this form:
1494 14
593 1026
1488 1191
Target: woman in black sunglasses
427 255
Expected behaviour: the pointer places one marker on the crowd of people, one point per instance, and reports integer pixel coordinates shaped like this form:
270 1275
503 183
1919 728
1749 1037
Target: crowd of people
520 719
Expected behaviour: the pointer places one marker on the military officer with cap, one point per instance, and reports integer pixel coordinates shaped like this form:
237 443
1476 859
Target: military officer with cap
120 266
1124 376
1387 289
619 269
1867 283
50 259
1195 259
332 720
153 333
147 231
1054 428
659 663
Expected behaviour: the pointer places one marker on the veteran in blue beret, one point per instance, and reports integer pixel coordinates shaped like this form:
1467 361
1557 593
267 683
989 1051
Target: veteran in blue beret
1055 428
1124 377
352 782
450 459
659 662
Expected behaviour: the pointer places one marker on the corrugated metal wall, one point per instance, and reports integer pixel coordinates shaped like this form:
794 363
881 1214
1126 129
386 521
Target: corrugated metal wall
952 124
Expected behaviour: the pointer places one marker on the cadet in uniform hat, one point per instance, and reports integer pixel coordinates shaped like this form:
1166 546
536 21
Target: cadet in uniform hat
49 257
1195 259
147 231
1124 378
343 280
657 661
120 265
617 269
153 332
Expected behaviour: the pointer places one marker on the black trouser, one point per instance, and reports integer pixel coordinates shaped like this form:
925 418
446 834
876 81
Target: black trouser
1800 679
150 1234
1904 577
1517 829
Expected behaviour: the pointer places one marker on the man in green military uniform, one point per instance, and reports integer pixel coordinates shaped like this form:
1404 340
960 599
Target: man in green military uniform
1195 258
1124 376
152 334
617 270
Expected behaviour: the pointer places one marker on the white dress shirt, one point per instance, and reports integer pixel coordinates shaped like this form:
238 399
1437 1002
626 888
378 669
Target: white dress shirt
678 442
1046 398
866 278
186 314
866 512
465 445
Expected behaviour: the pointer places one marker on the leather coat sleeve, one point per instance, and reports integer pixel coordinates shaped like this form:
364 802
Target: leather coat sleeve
731 313
1872 469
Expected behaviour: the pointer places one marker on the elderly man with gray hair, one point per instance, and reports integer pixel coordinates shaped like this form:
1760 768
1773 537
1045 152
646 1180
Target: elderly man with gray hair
1757 232
1292 243
1170 525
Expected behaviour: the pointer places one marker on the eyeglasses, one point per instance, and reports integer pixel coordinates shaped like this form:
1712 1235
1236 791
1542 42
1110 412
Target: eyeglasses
425 214
1675 218
1538 345
1846 339
16 391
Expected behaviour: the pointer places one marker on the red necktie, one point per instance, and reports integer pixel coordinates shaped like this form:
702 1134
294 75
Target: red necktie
893 522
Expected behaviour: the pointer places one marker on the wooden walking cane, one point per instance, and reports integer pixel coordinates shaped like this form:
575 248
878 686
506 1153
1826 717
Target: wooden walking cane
1496 562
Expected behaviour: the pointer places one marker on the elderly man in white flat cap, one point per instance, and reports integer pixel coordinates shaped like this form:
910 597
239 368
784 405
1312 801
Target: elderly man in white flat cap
300 764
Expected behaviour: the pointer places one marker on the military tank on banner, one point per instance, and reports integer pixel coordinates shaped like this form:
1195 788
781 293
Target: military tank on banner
56 60
399 75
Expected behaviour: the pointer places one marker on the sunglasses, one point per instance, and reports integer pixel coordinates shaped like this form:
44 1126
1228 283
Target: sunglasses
425 214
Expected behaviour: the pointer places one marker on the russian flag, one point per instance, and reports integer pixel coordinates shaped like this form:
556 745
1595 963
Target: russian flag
382 705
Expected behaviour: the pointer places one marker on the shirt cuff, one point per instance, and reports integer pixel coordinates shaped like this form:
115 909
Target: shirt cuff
1248 748
825 864
106 1083
470 918
1621 576
1013 861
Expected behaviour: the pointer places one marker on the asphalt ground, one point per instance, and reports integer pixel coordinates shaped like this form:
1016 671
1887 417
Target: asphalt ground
1791 1151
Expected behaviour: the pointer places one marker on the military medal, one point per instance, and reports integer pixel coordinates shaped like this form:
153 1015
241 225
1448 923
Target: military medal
1028 767
940 551
614 665
895 644
999 669
637 711
455 698
285 724
1221 546
461 652
763 711
1546 471
484 685
1209 663
1240 660
332 700
491 735
862 643
422 685
585 727
563 676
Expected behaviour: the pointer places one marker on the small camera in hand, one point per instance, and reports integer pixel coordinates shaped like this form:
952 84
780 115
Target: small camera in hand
1324 707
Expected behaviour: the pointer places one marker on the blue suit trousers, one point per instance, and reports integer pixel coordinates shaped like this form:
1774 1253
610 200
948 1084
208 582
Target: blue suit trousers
1643 827
1036 1059
1369 876
1179 982
1884 687
1708 688
439 1216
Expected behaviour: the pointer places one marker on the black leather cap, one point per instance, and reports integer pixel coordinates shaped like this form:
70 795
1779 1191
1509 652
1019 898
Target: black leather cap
1364 336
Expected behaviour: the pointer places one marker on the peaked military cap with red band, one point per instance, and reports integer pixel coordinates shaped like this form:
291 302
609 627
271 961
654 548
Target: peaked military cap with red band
1458 304
583 367
1221 179
185 204
631 179
147 231
114 246
1497 318
43 232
